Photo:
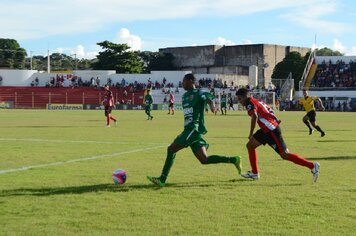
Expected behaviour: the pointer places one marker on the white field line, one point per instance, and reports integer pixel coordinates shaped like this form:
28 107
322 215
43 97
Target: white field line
78 160
71 141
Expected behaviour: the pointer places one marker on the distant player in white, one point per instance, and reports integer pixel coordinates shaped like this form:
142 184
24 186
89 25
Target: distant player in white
217 104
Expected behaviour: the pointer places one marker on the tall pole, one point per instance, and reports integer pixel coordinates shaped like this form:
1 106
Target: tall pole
31 59
48 63
75 59
315 41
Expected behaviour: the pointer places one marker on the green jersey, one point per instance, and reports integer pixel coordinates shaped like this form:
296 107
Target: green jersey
193 106
223 98
148 100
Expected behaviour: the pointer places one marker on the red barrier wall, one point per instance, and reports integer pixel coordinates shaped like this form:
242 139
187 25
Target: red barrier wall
39 97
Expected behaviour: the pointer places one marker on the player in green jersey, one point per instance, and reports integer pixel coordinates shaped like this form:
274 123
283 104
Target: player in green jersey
148 102
223 100
194 101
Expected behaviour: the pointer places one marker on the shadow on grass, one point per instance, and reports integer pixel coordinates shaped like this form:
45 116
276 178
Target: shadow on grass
48 126
337 158
337 141
70 190
228 137
126 188
234 114
328 130
102 188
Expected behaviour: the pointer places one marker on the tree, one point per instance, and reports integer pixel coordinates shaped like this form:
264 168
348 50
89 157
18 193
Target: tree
118 57
39 63
11 54
84 64
157 61
293 63
59 62
328 52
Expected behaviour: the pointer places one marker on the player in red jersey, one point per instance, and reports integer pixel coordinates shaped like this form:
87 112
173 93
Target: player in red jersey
108 104
171 103
270 133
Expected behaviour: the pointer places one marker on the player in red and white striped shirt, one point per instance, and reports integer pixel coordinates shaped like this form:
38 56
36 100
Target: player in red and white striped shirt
270 133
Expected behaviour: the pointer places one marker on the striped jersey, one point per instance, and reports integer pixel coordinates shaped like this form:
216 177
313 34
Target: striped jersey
265 116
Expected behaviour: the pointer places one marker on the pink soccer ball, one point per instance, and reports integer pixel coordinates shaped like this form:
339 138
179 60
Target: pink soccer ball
119 176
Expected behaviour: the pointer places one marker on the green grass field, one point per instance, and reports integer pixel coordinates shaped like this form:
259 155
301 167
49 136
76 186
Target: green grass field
55 177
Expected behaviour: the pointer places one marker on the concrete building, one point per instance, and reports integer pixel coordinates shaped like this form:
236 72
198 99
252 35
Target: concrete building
254 60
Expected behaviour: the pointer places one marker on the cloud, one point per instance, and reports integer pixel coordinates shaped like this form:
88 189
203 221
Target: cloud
37 18
134 41
246 41
78 51
338 46
352 52
60 50
223 41
310 16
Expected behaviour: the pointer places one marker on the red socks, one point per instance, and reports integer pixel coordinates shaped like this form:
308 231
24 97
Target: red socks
252 154
295 158
108 120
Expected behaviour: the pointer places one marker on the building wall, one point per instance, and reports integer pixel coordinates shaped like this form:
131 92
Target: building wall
244 55
273 54
200 56
227 59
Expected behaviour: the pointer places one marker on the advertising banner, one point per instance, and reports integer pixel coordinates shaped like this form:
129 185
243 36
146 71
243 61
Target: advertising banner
7 105
165 106
65 106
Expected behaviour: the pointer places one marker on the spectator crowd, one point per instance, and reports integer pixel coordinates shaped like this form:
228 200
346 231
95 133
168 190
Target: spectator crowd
340 75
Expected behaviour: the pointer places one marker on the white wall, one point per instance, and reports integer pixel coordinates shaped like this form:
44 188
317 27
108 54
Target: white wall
329 94
25 77
16 77
171 77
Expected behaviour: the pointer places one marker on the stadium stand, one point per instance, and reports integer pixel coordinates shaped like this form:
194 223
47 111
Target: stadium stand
333 79
338 75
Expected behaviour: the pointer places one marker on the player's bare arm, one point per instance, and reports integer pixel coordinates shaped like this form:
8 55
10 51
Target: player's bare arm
321 104
212 106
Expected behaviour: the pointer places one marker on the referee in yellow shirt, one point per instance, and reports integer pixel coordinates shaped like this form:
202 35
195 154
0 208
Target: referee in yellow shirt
308 104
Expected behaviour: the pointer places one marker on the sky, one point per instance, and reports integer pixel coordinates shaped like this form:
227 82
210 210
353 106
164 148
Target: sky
76 26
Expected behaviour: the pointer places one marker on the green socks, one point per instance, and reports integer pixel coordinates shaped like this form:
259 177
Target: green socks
214 159
167 165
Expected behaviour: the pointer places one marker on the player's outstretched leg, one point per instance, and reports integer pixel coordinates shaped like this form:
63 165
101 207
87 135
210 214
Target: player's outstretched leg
201 155
113 118
322 133
296 159
315 171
